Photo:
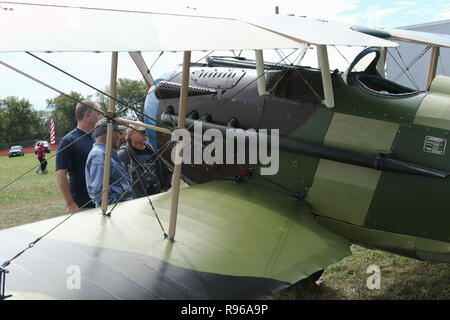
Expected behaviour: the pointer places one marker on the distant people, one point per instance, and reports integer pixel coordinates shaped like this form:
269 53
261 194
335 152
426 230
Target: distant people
41 157
120 183
149 173
72 155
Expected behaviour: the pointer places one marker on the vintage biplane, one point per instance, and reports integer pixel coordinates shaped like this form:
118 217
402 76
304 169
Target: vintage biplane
362 160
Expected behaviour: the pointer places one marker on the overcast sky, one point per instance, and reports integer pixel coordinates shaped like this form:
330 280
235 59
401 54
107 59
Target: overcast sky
94 68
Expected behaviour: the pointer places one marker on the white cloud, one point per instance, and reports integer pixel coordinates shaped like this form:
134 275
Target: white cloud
444 15
374 15
404 3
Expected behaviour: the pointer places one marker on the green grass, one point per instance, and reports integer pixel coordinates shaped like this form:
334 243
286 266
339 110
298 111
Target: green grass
401 278
36 197
32 197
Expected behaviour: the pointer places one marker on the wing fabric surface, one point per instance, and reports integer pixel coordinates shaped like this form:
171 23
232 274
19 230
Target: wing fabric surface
84 30
95 30
316 32
425 38
233 241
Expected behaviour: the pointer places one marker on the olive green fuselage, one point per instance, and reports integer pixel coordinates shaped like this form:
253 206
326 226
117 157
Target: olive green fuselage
399 212
403 213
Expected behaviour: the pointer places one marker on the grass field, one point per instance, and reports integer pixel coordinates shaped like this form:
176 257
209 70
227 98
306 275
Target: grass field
36 197
31 198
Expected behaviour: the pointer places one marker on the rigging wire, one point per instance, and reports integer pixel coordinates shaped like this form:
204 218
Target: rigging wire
72 98
166 146
92 87
51 157
278 185
408 67
28 76
140 164
49 86
401 68
300 56
309 85
341 54
246 86
154 62
33 243
118 112
173 77
21 176
234 54
143 78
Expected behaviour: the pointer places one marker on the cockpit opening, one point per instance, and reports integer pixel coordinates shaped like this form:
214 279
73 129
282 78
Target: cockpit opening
369 79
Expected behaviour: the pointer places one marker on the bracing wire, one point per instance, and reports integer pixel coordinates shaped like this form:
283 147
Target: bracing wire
54 155
308 84
96 89
140 164
341 54
408 67
249 84
48 86
72 98
401 68
300 56
33 243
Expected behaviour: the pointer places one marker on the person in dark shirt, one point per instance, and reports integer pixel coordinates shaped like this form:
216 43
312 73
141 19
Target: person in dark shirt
72 155
150 175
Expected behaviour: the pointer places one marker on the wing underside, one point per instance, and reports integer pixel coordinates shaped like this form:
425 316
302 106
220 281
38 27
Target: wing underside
233 241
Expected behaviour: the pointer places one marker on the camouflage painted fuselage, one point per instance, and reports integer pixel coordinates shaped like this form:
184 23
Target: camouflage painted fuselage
399 212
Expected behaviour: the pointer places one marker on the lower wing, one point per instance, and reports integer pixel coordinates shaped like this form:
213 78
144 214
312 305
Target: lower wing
233 241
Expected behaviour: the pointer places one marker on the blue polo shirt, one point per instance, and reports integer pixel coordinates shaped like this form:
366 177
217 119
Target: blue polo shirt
73 158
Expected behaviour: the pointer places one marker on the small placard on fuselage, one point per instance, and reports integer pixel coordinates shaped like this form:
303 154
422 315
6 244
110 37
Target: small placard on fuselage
434 145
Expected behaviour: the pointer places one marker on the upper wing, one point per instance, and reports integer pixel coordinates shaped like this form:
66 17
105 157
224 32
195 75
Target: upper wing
316 32
427 38
58 28
37 28
233 241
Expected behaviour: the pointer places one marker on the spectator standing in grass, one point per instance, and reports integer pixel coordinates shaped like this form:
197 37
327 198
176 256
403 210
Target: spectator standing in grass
41 157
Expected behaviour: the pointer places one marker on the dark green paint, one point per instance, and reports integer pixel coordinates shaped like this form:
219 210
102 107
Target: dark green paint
409 142
316 127
361 102
409 204
297 171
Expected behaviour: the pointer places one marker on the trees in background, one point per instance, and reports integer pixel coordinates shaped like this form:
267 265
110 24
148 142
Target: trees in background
130 92
19 121
62 110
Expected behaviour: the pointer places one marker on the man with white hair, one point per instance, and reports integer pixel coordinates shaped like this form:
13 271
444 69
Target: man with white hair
120 183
